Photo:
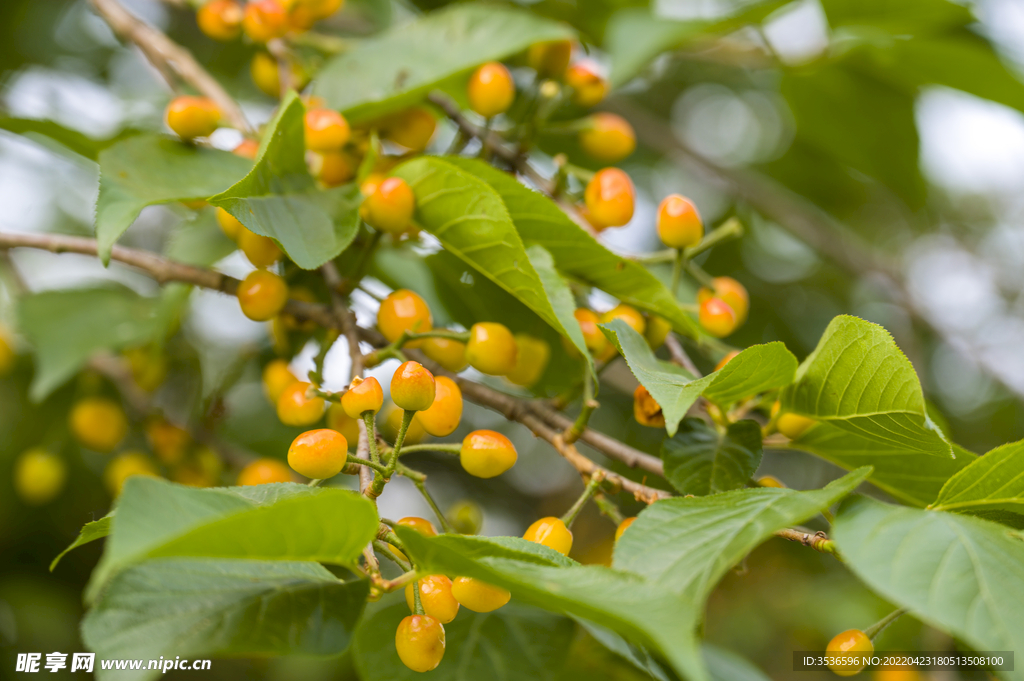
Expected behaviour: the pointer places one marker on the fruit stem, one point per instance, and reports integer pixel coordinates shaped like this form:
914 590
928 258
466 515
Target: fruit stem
386 551
879 626
396 451
315 482
446 447
730 229
446 527
590 490
418 609
371 437
609 508
698 273
677 271
574 432
369 464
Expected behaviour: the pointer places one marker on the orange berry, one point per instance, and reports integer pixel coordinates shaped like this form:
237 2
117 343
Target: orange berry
627 314
412 128
479 596
717 318
389 206
646 410
98 423
623 526
850 642
318 454
125 466
326 130
610 198
302 14
264 20
333 168
679 223
443 416
263 471
247 149
486 454
220 19
191 117
451 354
403 311
532 355
607 137
294 408
229 224
491 89
550 532
725 360
420 642
260 250
550 58
338 420
658 329
793 425
276 377
413 387
594 339
491 349
363 395
261 295
414 434
770 481
168 441
589 87
435 597
421 525
732 292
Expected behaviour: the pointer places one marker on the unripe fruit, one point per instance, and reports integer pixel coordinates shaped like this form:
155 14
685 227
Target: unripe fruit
725 360
265 74
658 329
276 377
168 441
610 198
532 355
491 349
451 354
732 292
295 408
443 416
191 117
363 395
717 318
588 86
627 314
414 434
403 311
770 481
479 596
264 20
593 337
646 410
261 295
412 128
552 533
491 89
220 19
247 149
264 471
550 58
98 423
318 454
850 642
793 425
435 597
486 454
125 466
413 387
420 642
607 137
465 517
389 206
326 130
260 250
333 168
338 420
39 476
7 356
229 224
679 223
623 526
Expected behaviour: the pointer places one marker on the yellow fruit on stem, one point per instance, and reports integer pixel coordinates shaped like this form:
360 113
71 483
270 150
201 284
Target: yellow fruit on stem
413 387
610 198
296 408
435 597
607 137
486 454
326 130
479 596
449 353
260 250
491 349
318 454
550 58
220 19
679 223
125 466
550 532
491 89
444 414
98 423
276 377
262 295
419 641
589 87
39 476
716 317
190 117
852 642
363 395
403 311
532 355
389 206
264 471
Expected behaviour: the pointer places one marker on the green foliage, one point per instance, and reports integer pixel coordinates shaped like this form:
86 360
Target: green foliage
757 369
700 460
993 482
55 135
97 529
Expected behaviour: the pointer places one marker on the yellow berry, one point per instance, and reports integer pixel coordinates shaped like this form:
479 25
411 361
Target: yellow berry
264 471
264 20
435 597
725 360
850 642
479 596
191 117
646 410
491 89
326 130
413 387
276 377
39 476
420 642
389 206
550 532
247 148
403 311
716 317
532 355
220 19
607 137
610 198
229 224
262 295
412 128
450 354
679 223
125 466
486 454
414 434
793 425
168 441
363 395
260 250
658 329
623 526
98 423
627 314
732 292
296 408
589 87
770 481
444 414
318 454
338 420
491 349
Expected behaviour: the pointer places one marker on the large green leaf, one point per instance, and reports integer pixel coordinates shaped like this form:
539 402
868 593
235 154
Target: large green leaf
188 608
150 169
279 199
562 303
700 460
65 328
641 611
993 482
401 66
686 544
961 574
909 476
755 370
288 521
859 380
510 644
579 255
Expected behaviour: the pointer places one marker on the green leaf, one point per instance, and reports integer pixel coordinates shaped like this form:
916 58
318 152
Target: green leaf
672 387
470 220
53 134
211 608
150 169
960 574
579 255
626 603
561 299
993 482
279 199
199 242
686 544
909 476
97 529
511 644
726 665
904 18
755 370
156 518
65 329
699 460
399 68
860 381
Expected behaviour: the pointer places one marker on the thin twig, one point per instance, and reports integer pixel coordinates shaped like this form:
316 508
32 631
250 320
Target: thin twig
679 356
818 541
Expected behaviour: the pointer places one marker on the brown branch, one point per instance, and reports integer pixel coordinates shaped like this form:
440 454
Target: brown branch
818 541
171 59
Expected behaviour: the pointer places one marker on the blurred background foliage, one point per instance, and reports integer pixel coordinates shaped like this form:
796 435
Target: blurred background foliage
873 148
